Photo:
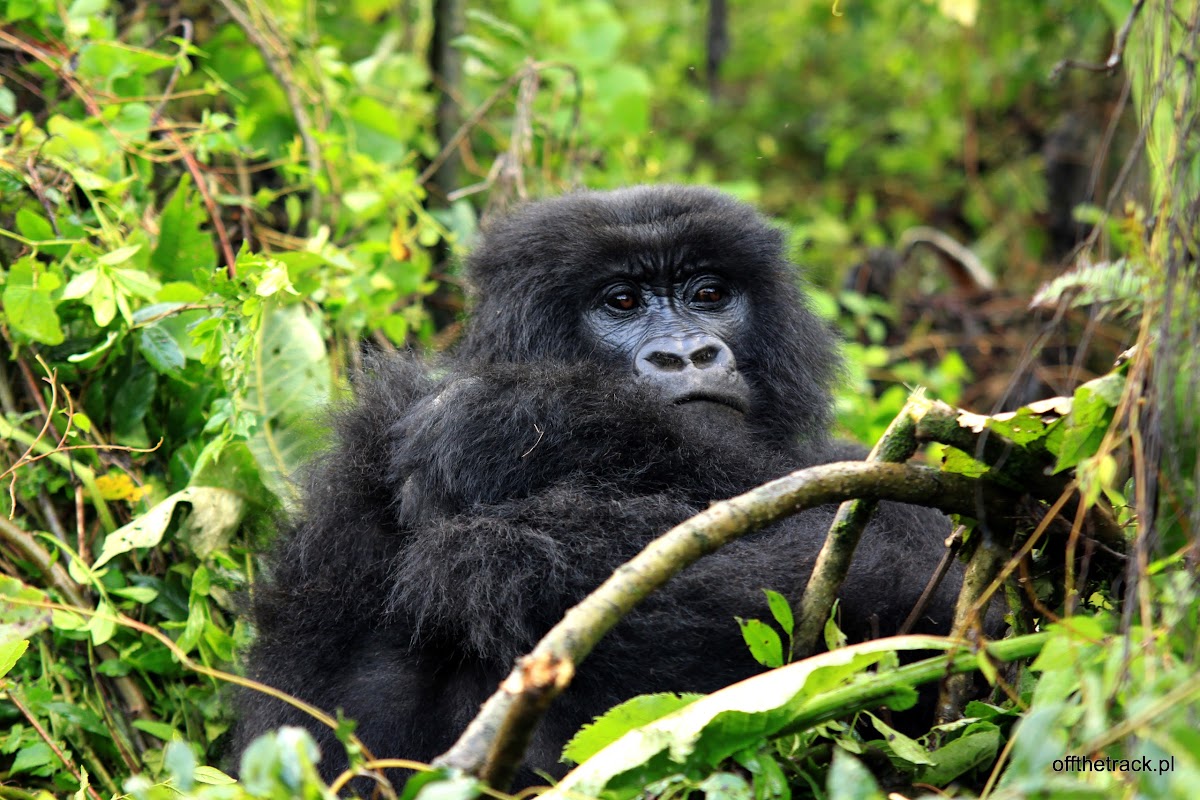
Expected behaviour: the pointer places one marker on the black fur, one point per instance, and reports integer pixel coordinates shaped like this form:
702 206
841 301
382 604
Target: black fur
456 519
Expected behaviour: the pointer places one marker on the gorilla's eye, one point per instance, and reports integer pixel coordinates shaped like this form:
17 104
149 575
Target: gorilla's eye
621 300
709 295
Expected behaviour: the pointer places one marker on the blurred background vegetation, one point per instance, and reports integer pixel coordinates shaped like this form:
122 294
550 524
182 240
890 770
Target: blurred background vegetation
208 210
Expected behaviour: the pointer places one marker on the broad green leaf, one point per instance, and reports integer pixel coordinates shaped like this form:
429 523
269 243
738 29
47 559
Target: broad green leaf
81 285
279 763
763 641
180 762
135 282
1084 428
726 786
33 226
287 385
161 350
103 300
29 758
138 594
621 719
215 512
10 651
27 302
1022 427
159 730
183 244
77 144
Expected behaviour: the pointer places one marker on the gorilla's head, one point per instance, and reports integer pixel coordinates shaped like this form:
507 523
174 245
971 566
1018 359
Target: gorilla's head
680 287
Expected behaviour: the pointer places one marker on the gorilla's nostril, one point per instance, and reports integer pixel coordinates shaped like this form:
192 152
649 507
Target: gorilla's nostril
668 362
705 356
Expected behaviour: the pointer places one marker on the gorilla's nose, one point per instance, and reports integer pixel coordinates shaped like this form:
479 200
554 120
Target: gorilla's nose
693 371
670 354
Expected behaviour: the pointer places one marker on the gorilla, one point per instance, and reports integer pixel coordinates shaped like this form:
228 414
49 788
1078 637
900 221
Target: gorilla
632 357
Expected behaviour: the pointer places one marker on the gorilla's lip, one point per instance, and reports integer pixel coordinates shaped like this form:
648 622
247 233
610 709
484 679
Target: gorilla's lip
728 400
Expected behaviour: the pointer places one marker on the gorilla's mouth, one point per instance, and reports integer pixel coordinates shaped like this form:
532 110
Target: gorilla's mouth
728 400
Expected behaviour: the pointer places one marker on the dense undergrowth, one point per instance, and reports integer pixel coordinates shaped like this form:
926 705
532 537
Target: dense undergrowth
208 210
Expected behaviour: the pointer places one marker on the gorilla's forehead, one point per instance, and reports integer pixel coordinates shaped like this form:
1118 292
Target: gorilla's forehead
652 234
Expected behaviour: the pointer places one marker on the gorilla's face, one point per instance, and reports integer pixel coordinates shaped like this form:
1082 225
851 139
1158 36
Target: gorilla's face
673 329
681 288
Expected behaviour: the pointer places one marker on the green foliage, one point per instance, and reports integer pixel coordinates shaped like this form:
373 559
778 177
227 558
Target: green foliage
1117 286
772 724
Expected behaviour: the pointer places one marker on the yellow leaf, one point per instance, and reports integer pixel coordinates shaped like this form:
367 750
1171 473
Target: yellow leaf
119 486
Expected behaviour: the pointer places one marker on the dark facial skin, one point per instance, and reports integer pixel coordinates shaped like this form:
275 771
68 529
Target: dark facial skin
673 330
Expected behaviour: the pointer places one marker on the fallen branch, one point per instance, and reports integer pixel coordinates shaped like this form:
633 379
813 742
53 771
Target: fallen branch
485 749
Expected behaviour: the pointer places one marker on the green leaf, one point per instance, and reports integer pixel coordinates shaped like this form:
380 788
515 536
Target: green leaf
763 641
1084 428
81 285
781 610
183 245
288 382
180 762
135 282
102 625
279 764
977 748
30 758
215 513
119 256
161 350
103 300
159 730
212 776
34 226
769 779
1022 427
138 594
20 617
10 651
27 303
850 780
901 746
726 786
621 719
132 402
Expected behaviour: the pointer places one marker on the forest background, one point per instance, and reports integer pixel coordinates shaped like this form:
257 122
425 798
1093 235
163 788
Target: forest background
209 210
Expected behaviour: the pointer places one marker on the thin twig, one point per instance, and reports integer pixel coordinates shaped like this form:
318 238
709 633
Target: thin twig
1114 58
14 697
281 70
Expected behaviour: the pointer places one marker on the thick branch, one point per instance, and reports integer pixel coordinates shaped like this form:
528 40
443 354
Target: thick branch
896 446
572 639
